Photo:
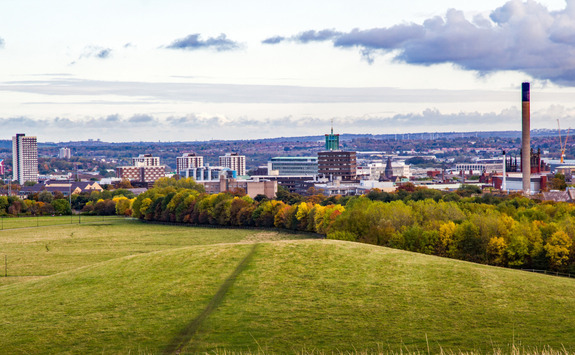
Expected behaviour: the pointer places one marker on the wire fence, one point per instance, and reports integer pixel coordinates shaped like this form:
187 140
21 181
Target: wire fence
552 273
12 222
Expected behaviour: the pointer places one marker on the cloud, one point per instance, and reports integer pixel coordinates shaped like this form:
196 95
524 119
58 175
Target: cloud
193 42
142 92
1 42
205 126
316 36
305 37
518 36
96 52
273 40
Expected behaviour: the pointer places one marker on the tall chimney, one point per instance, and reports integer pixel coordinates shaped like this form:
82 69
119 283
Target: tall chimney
526 138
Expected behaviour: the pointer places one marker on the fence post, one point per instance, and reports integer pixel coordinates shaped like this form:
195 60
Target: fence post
5 265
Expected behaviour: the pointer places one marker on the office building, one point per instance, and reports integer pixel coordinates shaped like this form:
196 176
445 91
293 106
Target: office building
337 165
24 158
293 166
2 168
64 153
187 161
235 162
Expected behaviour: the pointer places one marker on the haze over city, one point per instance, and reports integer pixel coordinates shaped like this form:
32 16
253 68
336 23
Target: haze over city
181 70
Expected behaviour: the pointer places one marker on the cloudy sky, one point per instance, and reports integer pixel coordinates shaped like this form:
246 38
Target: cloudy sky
152 70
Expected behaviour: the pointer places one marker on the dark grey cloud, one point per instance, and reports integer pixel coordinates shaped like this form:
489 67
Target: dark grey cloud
518 36
194 42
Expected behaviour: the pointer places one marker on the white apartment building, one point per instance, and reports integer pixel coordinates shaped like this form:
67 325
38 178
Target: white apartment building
146 160
24 158
64 153
188 161
235 162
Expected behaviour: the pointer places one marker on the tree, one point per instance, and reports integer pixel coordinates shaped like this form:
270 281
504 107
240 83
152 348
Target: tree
62 206
557 248
557 182
45 197
125 184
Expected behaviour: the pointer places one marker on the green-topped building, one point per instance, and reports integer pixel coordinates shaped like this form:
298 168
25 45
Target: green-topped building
331 141
334 163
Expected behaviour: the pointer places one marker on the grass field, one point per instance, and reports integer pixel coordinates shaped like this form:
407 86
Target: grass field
43 221
127 287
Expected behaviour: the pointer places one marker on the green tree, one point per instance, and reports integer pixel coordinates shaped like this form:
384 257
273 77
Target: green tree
62 206
45 197
557 182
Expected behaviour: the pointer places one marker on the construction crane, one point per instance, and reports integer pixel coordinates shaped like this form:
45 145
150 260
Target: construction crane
562 144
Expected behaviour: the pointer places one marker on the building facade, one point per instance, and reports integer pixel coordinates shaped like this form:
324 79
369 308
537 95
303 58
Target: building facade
2 168
24 158
188 160
337 165
294 166
252 188
145 168
208 173
64 153
146 160
234 161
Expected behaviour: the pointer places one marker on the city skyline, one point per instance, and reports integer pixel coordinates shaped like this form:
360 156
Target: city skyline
178 70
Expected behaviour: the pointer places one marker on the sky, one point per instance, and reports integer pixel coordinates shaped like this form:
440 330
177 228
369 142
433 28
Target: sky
151 70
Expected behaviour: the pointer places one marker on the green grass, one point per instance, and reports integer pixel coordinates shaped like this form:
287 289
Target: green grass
36 252
41 221
129 287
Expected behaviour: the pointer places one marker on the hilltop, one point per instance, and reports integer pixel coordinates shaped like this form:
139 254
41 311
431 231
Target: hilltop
254 292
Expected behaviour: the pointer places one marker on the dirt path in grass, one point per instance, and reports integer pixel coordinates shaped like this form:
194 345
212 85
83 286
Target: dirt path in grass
184 337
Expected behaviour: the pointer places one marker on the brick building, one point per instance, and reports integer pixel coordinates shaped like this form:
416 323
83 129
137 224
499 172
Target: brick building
337 164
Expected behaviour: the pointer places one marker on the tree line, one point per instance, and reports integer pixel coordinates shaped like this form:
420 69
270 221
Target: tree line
510 231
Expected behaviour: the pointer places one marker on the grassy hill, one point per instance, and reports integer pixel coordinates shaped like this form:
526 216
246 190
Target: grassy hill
162 289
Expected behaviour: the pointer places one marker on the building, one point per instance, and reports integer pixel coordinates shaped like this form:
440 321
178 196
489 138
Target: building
293 166
2 168
64 153
188 160
24 158
397 169
208 173
65 187
337 164
252 188
145 168
331 141
235 162
146 160
481 166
